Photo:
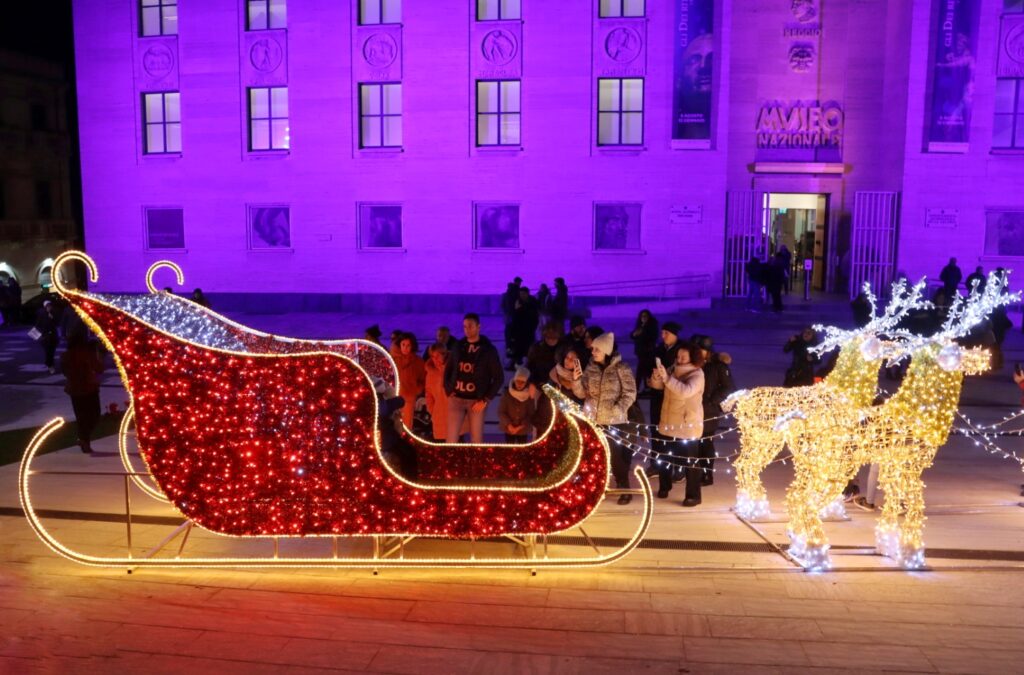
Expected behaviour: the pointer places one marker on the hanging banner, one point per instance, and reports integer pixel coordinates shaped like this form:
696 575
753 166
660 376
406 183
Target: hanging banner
955 30
692 80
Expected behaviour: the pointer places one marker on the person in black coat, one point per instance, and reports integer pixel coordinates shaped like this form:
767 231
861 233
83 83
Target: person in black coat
801 371
543 355
666 353
47 323
774 278
472 378
559 306
951 276
645 342
577 339
525 318
718 385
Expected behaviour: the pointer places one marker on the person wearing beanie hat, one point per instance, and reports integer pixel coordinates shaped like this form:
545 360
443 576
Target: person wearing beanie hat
610 390
665 353
718 385
605 343
517 407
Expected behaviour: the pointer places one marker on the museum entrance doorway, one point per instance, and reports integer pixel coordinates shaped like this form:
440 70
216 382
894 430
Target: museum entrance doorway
799 221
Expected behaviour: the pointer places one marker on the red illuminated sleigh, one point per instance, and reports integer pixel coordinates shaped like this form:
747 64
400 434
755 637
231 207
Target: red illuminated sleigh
251 435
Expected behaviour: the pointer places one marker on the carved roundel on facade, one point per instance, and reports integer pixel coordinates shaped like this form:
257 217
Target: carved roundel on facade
805 11
380 50
265 55
158 61
1013 43
499 47
623 45
801 56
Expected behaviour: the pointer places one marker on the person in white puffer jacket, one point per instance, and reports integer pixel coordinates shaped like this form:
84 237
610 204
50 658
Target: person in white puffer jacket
610 389
682 420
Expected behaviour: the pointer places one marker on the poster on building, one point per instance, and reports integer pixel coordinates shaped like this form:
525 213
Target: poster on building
955 32
693 54
497 226
616 227
380 226
269 227
165 228
1004 233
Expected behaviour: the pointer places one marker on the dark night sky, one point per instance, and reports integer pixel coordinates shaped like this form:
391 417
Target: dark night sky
39 27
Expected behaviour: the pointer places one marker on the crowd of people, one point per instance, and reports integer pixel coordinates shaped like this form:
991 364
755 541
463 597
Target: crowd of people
444 395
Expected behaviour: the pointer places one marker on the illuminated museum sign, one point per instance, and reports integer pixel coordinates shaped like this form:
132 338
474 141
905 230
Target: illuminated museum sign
800 124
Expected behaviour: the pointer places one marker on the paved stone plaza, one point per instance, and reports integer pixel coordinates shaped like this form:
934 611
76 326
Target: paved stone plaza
705 592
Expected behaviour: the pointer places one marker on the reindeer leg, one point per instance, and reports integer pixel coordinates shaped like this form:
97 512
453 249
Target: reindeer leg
911 541
751 497
808 544
887 530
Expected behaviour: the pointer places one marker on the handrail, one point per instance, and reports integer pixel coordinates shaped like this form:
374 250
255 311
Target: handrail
698 282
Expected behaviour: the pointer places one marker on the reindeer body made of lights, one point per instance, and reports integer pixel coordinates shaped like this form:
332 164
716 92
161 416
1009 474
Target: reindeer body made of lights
852 384
902 435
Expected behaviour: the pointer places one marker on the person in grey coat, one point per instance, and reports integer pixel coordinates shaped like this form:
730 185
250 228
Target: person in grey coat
610 390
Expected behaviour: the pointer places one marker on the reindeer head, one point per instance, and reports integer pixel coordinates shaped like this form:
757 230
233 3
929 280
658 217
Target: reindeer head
965 315
871 340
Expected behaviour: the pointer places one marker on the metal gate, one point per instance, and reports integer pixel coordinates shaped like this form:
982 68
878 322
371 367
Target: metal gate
745 211
873 241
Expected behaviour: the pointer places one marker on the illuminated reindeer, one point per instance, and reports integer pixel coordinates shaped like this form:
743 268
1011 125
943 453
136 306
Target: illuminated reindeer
901 435
852 383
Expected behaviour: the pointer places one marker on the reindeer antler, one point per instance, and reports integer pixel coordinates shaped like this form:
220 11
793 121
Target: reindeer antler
902 301
966 315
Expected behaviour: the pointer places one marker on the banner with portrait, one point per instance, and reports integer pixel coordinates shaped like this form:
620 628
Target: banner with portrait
1004 233
692 82
955 34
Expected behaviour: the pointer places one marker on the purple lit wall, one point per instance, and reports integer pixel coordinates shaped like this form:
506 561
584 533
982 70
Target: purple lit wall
871 58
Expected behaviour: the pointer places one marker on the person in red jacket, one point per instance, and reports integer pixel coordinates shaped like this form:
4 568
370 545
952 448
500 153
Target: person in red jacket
82 365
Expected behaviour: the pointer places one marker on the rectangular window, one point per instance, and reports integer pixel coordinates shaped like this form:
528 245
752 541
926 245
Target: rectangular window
159 17
498 10
162 120
270 227
616 227
380 226
379 11
264 14
165 228
1013 6
268 119
497 112
44 199
380 115
620 111
496 226
1008 126
619 8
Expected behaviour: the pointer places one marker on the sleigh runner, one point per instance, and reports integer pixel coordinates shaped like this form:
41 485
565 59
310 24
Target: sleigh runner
248 435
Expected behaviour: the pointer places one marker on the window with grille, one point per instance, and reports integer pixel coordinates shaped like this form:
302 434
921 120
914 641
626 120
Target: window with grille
498 10
265 14
620 111
379 11
619 8
268 119
159 17
1008 126
380 115
162 121
497 112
